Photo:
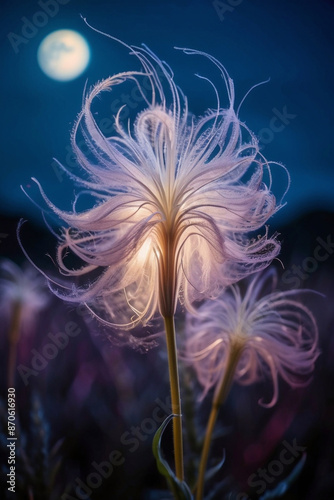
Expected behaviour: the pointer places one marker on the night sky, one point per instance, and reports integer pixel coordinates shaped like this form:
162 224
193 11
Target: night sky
289 42
95 391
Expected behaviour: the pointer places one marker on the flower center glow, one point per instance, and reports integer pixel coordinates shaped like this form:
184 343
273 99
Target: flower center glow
145 252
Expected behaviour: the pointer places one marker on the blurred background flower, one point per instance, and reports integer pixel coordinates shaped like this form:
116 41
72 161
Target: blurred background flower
23 295
24 288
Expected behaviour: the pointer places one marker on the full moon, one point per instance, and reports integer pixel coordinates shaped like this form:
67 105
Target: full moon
63 55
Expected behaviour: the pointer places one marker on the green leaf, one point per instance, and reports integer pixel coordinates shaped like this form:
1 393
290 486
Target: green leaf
179 488
284 485
211 472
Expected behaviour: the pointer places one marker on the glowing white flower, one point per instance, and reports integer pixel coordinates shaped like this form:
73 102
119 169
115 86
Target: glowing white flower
176 198
24 288
277 334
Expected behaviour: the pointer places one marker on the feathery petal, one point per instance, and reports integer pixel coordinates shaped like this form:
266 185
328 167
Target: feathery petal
177 198
279 334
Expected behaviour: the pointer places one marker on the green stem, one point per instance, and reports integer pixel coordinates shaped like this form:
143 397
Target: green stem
175 394
222 390
13 338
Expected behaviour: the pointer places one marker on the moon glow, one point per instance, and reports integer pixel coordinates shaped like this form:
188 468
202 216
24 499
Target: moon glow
63 55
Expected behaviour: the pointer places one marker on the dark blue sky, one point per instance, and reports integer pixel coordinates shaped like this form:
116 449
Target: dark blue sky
289 41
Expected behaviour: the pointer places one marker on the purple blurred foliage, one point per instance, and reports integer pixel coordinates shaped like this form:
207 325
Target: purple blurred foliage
94 399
